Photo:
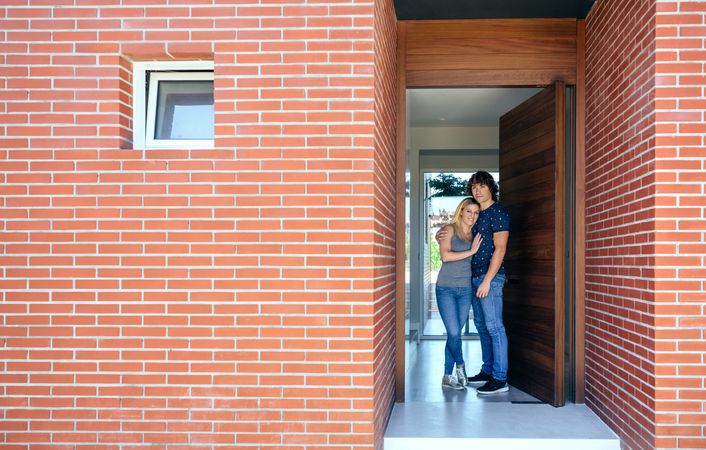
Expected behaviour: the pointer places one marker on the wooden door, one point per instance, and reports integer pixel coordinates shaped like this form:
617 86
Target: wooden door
532 187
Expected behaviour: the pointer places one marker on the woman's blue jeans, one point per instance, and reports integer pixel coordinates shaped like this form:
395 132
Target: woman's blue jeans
454 306
488 319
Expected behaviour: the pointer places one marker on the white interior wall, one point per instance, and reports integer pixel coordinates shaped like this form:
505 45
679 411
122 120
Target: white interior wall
453 137
451 149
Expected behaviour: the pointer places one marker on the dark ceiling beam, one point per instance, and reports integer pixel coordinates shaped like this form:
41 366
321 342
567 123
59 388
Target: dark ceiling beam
491 9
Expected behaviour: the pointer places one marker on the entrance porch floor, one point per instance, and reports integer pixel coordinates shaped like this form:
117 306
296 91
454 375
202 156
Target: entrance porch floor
433 418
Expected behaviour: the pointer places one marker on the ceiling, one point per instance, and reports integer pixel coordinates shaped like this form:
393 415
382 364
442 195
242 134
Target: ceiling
491 9
480 107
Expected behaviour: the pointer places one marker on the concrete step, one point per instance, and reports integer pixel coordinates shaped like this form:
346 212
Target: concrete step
500 426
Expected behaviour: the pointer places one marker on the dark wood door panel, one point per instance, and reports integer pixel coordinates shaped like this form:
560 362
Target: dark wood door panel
531 126
533 154
531 148
533 266
535 374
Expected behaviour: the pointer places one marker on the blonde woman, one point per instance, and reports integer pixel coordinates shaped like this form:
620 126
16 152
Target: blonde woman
453 287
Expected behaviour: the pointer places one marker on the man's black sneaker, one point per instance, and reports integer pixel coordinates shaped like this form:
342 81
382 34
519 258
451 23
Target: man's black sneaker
478 380
493 387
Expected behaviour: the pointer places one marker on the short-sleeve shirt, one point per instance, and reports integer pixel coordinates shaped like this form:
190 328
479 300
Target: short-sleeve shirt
490 221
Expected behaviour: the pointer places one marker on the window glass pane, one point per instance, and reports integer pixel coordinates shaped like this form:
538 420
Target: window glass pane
184 110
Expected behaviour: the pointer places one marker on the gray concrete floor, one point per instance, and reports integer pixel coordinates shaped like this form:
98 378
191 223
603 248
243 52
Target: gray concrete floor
432 417
425 369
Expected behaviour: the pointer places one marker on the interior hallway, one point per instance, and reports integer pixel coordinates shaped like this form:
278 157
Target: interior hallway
432 417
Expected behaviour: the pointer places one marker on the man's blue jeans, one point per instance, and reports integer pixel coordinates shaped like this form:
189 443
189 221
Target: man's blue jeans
488 319
454 306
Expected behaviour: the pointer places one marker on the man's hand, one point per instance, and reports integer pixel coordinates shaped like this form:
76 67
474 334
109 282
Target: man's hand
483 289
441 234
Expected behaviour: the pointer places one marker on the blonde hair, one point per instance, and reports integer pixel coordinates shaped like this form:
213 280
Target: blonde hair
456 222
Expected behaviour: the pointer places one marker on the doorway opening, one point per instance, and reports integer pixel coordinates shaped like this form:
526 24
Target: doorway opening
456 132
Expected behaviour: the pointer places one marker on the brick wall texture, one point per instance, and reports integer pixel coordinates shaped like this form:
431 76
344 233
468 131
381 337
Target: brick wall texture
235 297
645 340
384 300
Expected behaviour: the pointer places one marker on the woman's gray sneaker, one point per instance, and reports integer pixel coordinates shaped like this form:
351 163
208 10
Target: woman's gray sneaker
461 376
449 382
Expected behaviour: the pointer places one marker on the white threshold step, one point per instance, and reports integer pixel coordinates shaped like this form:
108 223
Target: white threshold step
501 426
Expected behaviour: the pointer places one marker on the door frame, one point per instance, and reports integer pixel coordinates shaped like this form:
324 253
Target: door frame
529 75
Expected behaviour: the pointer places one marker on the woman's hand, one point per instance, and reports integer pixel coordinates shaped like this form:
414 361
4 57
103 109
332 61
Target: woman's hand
475 245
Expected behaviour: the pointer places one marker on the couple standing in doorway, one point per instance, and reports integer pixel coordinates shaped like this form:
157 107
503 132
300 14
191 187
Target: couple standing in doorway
472 274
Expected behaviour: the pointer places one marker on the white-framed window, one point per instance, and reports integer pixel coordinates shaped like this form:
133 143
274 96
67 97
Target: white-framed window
173 104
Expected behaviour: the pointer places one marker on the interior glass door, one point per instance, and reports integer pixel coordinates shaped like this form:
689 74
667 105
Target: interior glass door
442 193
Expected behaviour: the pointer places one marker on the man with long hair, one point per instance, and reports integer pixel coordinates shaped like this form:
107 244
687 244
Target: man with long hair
487 281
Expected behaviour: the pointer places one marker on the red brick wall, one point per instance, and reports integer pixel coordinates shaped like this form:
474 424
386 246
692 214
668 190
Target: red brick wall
237 297
645 198
681 222
385 212
621 216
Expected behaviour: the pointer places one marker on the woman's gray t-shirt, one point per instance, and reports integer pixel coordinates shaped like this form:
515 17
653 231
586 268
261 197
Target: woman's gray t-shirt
456 273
